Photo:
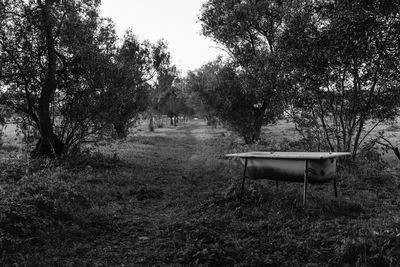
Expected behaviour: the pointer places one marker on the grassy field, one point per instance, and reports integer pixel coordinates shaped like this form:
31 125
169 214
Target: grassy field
171 198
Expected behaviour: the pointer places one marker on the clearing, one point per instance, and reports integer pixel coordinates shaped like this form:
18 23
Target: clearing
170 198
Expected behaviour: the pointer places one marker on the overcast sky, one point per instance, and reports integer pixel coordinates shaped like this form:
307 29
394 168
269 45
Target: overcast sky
176 21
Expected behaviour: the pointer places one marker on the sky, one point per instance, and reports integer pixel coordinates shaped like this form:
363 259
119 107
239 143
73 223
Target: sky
175 21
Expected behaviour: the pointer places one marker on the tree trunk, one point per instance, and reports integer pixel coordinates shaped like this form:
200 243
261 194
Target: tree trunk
121 129
48 145
258 120
151 124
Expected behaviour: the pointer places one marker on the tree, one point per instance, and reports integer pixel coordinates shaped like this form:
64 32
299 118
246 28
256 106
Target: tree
387 38
227 93
173 96
345 81
163 79
167 94
250 31
48 54
81 106
62 68
184 97
200 84
128 90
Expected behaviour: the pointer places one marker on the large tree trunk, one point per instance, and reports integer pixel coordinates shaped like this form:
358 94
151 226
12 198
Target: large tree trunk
49 145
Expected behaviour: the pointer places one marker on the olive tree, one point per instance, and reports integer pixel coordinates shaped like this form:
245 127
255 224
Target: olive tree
250 31
128 90
52 55
61 66
227 93
346 84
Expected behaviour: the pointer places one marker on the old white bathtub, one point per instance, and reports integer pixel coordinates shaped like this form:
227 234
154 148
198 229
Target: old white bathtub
305 167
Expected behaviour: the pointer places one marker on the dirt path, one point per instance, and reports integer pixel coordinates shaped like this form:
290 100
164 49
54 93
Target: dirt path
168 171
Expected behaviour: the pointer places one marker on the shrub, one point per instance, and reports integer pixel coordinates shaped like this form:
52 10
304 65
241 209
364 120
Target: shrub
82 159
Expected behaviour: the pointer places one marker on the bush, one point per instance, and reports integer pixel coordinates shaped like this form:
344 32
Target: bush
369 168
83 159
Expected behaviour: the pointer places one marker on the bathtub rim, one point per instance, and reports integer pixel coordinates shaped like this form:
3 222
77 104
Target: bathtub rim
288 155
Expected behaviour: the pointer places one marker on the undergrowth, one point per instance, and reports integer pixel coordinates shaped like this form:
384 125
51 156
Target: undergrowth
34 207
175 201
42 205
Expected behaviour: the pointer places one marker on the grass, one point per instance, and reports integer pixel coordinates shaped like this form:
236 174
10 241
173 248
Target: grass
9 148
171 198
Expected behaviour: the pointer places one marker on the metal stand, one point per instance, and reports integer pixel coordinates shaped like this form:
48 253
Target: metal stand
334 185
244 177
334 180
305 184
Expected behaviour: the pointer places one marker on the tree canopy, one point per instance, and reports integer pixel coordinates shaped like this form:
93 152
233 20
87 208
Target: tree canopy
61 66
338 54
250 31
331 65
44 62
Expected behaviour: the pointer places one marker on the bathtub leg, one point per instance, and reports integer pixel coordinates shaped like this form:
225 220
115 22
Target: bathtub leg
305 184
334 185
244 177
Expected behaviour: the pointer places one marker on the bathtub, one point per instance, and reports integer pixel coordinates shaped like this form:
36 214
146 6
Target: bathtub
304 167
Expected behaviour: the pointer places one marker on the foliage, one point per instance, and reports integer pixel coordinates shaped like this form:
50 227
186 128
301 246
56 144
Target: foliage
167 96
250 31
5 113
225 91
170 98
384 143
198 84
345 86
48 71
127 93
71 85
170 95
33 206
87 159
